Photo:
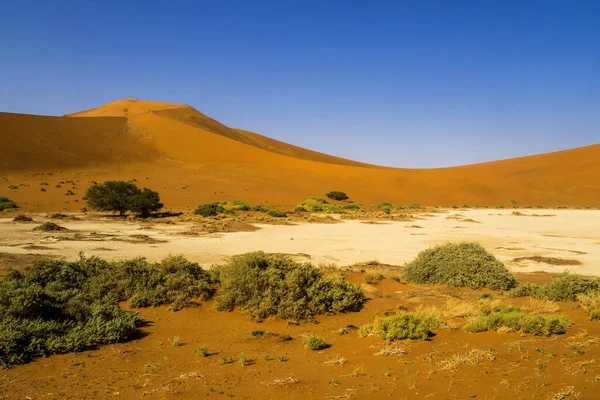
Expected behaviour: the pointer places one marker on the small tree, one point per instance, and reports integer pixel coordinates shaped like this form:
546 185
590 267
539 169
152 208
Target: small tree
335 195
145 202
122 196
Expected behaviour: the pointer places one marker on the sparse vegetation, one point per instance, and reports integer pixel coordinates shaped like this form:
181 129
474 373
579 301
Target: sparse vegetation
464 264
314 342
209 209
402 325
563 287
277 213
336 195
266 285
373 279
515 319
351 206
7 204
300 209
203 350
22 218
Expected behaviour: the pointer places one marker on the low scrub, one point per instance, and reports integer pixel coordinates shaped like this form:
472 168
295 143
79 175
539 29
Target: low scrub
590 302
563 287
7 204
515 319
464 264
267 285
209 209
351 206
59 307
277 213
337 195
314 342
403 325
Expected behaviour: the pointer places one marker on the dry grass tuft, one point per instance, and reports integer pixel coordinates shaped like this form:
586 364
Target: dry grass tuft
473 357
288 380
336 359
565 393
390 351
536 306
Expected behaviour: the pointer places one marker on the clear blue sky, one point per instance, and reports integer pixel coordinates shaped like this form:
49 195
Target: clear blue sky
399 83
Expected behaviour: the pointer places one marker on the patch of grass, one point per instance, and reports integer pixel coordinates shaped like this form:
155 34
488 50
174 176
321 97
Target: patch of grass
373 279
464 264
258 333
243 359
203 350
351 206
314 342
563 287
273 285
177 341
402 325
383 204
319 200
512 317
209 209
239 205
300 209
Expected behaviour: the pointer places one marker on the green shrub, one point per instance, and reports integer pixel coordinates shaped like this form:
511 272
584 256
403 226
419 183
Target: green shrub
563 287
239 205
315 207
373 279
383 204
299 209
513 318
58 306
403 325
319 200
335 195
7 204
351 206
314 342
209 209
145 202
266 285
277 214
260 209
461 265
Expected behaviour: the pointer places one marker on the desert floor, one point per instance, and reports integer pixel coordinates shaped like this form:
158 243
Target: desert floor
565 239
451 365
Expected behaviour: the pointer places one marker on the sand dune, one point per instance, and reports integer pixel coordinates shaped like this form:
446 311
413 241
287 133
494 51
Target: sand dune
171 146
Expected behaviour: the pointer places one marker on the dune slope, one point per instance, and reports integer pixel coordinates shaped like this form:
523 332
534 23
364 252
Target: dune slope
171 146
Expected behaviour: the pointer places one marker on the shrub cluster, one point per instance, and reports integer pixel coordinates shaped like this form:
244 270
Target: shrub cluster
464 264
314 342
59 307
512 317
7 204
266 285
336 195
216 208
563 287
402 325
209 209
122 196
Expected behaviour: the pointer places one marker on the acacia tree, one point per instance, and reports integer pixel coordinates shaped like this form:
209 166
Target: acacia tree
122 196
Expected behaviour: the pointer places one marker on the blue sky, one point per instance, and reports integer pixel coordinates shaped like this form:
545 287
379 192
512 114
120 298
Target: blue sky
400 83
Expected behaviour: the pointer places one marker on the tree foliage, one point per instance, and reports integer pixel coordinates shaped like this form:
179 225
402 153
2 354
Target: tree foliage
121 196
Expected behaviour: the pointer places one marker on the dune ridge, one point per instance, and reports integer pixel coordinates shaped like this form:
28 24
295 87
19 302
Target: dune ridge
173 145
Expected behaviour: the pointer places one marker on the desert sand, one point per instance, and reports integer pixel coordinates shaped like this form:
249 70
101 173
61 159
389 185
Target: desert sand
570 237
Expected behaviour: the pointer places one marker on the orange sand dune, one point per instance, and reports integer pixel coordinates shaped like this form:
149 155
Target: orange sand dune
191 158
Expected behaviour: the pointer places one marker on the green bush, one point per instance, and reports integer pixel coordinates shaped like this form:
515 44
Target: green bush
260 209
314 342
266 285
335 195
314 207
351 206
122 196
461 265
239 205
299 209
58 306
209 209
7 204
403 325
563 287
319 200
515 319
277 214
383 204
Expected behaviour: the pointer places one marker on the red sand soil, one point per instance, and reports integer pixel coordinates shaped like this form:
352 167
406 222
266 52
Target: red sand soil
509 365
190 158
